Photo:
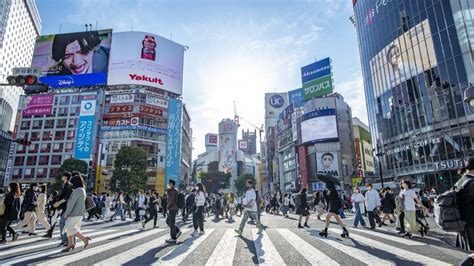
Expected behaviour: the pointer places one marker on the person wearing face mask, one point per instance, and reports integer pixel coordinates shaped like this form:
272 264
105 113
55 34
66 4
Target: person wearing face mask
30 203
372 202
358 202
12 209
409 200
173 211
250 204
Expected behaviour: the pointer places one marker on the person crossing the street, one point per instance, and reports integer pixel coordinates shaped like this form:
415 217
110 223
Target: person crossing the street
372 202
198 214
335 204
358 203
152 211
250 204
302 208
173 209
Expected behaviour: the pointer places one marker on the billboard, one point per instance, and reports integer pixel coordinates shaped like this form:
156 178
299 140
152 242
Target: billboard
85 129
156 101
319 125
404 58
284 118
317 79
146 59
211 139
122 98
275 103
39 104
243 145
73 59
328 163
296 97
121 121
173 146
227 146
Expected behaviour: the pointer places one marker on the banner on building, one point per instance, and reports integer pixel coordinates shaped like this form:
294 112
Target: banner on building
173 146
85 130
317 79
296 97
38 104
122 98
328 163
73 59
146 59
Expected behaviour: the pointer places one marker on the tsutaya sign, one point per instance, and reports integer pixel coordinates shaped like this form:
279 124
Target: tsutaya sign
415 145
450 164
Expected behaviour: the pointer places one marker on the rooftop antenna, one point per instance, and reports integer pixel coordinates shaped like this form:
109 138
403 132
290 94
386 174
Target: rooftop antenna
86 26
60 27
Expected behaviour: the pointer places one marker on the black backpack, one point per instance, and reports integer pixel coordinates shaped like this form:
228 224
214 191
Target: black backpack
181 200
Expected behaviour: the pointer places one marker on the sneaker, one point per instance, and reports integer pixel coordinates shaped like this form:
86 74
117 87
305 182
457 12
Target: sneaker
32 234
171 241
306 225
238 231
178 234
3 241
15 237
194 233
143 225
156 226
201 232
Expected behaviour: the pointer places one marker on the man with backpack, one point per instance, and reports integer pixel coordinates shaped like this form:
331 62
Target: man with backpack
174 202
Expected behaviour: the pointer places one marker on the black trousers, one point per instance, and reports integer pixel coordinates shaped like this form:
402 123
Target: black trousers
5 225
183 212
198 218
93 212
372 218
171 222
153 215
401 219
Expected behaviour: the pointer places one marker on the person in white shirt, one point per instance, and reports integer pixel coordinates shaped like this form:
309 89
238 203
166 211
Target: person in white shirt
198 214
409 199
250 204
141 203
358 202
41 207
372 202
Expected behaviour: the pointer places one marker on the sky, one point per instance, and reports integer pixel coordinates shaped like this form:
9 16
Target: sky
238 50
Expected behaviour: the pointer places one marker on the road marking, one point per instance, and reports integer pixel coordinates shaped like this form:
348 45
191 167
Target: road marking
22 241
177 255
266 251
47 244
99 249
135 252
310 253
393 238
224 252
360 254
404 254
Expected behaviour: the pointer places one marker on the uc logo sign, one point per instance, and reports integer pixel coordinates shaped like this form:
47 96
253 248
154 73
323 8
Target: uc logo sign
276 101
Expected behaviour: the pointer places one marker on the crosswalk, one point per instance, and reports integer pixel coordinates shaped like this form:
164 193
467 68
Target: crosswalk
119 246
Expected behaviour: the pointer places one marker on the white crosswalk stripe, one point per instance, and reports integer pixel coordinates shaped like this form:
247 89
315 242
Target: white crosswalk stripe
310 253
264 250
405 254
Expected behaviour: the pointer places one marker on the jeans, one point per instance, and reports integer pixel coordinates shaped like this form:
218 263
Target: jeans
372 218
247 215
118 211
358 216
198 218
171 222
153 215
62 224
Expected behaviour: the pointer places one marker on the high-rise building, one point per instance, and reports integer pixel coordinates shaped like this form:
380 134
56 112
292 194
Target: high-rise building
186 147
251 139
363 151
417 60
20 24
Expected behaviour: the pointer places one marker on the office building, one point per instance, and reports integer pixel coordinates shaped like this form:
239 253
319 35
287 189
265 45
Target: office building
363 151
250 138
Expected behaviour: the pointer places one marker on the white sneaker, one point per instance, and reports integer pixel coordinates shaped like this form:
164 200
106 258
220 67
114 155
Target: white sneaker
195 233
201 232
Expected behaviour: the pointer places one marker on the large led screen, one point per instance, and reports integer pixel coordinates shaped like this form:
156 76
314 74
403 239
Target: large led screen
319 126
146 59
73 59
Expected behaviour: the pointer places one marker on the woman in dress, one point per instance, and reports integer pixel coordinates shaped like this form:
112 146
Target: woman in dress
302 209
75 210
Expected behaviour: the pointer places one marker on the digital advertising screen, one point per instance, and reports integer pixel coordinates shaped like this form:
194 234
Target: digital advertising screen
146 59
319 126
73 59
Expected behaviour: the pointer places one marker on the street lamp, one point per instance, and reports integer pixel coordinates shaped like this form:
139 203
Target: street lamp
379 155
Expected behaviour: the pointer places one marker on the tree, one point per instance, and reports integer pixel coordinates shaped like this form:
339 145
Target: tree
213 181
129 173
69 165
240 182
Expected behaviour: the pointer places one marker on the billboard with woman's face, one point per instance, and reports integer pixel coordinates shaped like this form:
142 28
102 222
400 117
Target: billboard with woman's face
73 59
398 62
328 163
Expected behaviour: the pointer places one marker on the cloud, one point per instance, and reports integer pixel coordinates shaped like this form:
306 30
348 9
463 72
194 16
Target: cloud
353 92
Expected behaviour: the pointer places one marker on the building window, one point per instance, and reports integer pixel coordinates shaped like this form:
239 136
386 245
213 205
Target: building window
64 100
57 147
61 123
62 111
72 123
31 160
41 172
45 147
53 172
43 160
37 124
35 136
48 135
69 146
59 135
56 159
25 125
71 134
33 148
49 124
19 161
29 172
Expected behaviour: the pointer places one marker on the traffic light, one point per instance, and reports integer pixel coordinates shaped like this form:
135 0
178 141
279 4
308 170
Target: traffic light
24 142
29 83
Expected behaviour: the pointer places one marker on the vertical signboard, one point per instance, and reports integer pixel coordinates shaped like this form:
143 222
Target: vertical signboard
296 97
173 146
85 128
317 79
9 167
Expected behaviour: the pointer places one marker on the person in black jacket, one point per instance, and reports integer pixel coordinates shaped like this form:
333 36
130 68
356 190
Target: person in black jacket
388 206
335 204
12 209
152 211
303 209
189 205
465 201
29 202
61 205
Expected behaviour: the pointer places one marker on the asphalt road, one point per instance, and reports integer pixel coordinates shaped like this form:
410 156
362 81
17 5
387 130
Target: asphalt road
118 242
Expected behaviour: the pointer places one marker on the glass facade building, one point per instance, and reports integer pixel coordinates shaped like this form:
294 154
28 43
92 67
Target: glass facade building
417 60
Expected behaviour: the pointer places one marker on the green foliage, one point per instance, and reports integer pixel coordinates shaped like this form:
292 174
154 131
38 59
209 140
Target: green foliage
213 181
240 182
129 173
69 165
